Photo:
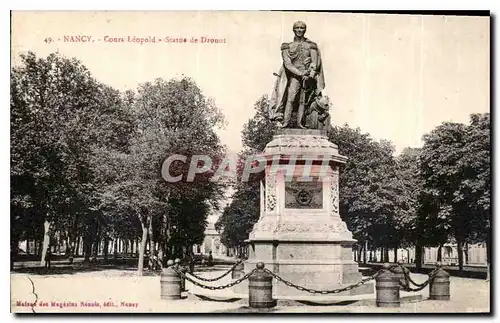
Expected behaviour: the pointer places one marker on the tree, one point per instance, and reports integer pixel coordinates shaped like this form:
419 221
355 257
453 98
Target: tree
475 189
171 117
55 103
368 188
259 130
456 169
408 201
238 218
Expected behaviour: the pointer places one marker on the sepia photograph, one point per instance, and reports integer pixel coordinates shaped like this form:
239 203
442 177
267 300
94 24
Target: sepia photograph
250 162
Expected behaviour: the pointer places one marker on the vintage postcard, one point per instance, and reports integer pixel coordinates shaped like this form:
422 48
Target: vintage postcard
250 162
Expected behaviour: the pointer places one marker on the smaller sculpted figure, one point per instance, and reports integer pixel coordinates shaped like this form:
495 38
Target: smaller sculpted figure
317 115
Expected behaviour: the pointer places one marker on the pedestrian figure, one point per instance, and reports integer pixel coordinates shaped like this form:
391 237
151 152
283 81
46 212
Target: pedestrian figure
149 260
156 263
210 259
47 258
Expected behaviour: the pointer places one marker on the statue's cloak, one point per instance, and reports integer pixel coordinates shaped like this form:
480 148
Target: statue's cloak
279 95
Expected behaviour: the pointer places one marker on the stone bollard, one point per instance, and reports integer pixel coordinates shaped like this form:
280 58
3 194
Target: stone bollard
260 288
398 271
439 285
170 282
387 287
182 269
238 271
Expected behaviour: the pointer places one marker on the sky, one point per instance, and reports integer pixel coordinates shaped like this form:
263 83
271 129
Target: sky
394 76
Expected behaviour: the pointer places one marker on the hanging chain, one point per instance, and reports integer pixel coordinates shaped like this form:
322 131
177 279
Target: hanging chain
313 291
217 278
407 273
408 280
405 284
407 288
231 284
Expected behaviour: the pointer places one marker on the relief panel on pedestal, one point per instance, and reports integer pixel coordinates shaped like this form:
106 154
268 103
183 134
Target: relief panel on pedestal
270 193
334 192
304 195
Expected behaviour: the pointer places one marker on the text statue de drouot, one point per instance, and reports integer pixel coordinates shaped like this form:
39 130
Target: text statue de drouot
300 234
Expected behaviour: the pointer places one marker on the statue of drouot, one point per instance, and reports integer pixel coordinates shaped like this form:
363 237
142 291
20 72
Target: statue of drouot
297 101
300 234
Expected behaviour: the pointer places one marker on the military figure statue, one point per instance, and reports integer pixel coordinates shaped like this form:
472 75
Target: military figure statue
300 80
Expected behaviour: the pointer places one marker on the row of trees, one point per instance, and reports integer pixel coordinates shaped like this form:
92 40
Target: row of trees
86 160
422 197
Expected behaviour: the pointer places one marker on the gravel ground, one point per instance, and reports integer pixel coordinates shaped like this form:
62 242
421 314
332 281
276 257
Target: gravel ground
122 291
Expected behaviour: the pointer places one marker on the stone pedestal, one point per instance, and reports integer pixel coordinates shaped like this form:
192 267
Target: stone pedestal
300 235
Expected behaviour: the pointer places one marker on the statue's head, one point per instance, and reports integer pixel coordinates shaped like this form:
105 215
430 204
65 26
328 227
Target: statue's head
299 28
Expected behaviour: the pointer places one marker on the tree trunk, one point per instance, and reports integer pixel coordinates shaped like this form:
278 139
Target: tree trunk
440 253
59 243
14 250
152 244
95 247
140 265
115 249
97 241
40 247
87 248
419 250
395 254
137 247
67 250
106 249
161 252
71 250
460 257
466 253
77 247
46 241
27 246
365 251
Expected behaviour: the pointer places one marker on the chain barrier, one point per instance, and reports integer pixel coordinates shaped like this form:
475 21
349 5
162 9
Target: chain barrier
217 278
231 284
407 273
405 285
408 280
324 292
407 288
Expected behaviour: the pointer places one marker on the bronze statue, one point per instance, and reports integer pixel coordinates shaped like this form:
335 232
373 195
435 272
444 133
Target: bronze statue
300 80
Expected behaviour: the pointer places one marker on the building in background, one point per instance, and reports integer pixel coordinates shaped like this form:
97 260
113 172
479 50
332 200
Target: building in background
474 255
212 241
